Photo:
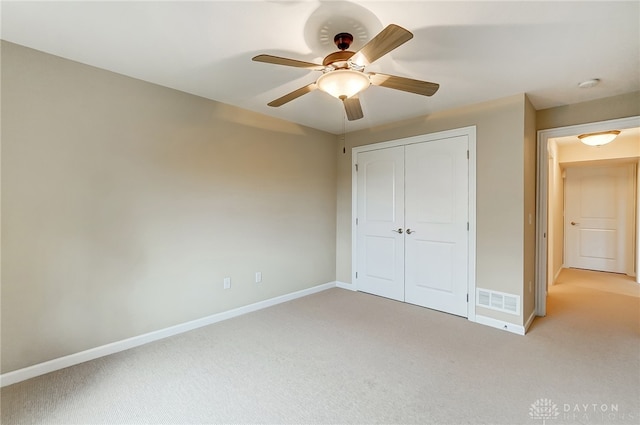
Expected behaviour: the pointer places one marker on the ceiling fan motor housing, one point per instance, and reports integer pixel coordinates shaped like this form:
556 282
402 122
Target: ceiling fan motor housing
343 40
338 59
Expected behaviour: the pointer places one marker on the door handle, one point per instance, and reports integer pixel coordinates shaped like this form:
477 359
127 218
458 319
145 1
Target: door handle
398 231
409 231
573 223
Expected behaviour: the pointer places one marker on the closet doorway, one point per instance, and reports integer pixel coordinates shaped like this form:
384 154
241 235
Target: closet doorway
412 210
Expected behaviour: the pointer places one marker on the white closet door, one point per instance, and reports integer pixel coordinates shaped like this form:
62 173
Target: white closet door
380 228
436 217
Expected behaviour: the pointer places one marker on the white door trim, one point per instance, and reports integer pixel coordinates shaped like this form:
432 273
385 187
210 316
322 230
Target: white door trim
542 206
470 132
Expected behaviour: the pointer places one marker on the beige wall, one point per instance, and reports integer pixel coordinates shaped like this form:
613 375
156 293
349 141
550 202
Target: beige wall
500 195
608 108
125 204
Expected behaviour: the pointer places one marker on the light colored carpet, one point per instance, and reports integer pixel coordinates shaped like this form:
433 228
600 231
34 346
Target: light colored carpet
345 357
608 282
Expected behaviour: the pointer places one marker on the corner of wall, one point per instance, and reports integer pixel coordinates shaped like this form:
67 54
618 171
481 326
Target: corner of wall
529 237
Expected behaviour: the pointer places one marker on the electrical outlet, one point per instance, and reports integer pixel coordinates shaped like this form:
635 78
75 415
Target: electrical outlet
258 277
227 283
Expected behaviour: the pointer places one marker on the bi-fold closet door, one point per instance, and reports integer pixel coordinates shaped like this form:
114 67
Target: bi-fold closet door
412 239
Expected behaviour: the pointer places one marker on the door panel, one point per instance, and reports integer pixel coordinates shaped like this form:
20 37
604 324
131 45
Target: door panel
381 257
381 179
597 243
438 273
436 216
595 220
434 203
380 203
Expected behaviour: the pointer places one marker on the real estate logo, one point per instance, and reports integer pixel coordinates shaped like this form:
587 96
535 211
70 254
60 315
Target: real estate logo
544 409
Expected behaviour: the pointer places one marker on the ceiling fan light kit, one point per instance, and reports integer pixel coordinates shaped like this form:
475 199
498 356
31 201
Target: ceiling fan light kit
343 71
343 83
600 138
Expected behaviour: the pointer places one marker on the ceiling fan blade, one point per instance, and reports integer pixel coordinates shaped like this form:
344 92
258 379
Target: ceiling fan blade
277 60
353 108
293 95
424 88
388 39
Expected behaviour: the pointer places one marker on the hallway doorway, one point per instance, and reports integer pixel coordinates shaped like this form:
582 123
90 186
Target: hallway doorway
558 149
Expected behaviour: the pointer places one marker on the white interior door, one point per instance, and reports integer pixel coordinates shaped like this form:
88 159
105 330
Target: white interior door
380 226
436 217
597 231
412 241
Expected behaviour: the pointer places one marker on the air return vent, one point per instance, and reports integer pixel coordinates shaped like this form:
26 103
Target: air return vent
499 301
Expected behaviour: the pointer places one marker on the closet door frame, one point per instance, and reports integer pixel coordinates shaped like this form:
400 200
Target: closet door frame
470 132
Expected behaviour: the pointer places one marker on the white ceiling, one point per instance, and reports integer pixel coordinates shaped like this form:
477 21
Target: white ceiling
476 51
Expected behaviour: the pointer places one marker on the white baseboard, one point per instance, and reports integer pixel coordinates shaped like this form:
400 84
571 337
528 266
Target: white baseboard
499 324
344 285
125 344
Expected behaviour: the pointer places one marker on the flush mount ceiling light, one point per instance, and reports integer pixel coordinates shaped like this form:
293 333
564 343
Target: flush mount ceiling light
598 139
589 83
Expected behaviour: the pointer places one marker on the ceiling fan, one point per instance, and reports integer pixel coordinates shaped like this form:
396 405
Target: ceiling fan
343 73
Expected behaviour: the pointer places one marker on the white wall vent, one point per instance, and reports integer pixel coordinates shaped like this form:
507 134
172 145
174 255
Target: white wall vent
499 301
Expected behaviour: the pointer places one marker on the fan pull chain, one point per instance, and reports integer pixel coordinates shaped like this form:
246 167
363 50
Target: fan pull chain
344 134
